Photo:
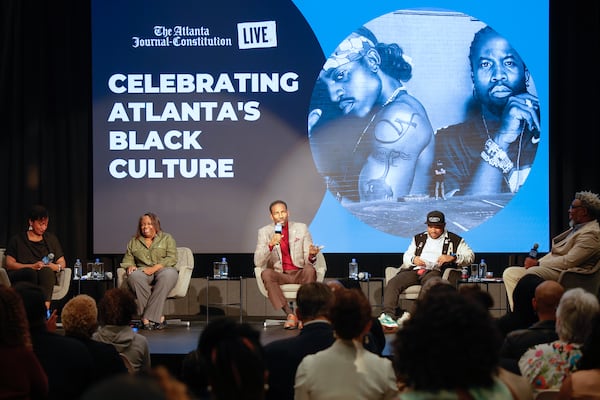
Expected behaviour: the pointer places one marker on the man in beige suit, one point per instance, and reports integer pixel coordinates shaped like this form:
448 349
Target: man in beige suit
286 254
579 246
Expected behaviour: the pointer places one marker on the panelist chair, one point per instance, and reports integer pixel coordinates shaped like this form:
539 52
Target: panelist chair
289 289
411 293
185 267
588 279
61 288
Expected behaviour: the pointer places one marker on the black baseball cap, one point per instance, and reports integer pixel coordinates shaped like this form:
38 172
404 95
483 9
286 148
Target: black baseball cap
435 218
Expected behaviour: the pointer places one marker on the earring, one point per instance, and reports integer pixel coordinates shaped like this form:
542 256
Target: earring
30 228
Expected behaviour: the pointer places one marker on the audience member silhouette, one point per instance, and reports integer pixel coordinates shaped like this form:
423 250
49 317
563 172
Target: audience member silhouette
234 360
283 356
80 319
374 340
518 386
115 311
523 315
21 374
547 365
154 384
585 382
346 370
66 380
448 349
545 302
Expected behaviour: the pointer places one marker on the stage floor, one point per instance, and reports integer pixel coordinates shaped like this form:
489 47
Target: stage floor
181 339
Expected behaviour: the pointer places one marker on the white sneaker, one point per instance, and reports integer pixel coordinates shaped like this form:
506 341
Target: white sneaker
387 321
405 317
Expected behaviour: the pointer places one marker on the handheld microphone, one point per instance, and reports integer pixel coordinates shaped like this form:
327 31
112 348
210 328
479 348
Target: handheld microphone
278 228
533 253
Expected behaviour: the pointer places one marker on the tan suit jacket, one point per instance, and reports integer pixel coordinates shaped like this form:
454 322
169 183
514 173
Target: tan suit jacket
580 248
300 241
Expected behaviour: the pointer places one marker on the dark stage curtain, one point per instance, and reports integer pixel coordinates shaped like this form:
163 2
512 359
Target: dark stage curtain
45 81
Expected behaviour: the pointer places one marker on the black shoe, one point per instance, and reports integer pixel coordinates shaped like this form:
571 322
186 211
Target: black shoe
157 326
148 326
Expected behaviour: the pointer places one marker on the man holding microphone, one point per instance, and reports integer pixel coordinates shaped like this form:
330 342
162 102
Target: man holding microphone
286 254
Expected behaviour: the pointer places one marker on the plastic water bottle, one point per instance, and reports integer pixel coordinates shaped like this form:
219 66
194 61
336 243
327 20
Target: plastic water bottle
533 253
77 268
98 270
224 271
482 269
353 269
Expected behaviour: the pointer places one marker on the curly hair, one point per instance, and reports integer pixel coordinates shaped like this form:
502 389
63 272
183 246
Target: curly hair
14 329
116 307
449 342
80 316
590 201
350 313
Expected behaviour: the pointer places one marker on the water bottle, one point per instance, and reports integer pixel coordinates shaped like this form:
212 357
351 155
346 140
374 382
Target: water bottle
224 271
98 270
482 269
533 253
217 270
353 269
77 268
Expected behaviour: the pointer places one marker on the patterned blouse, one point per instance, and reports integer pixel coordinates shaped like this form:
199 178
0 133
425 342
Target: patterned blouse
546 365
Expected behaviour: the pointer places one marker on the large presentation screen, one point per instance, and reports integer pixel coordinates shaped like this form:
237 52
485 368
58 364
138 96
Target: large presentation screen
363 116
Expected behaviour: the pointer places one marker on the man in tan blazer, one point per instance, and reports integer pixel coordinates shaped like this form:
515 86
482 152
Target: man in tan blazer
579 246
286 254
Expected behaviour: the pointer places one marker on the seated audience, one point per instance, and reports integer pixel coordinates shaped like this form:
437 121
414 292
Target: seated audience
234 360
22 376
374 340
194 375
547 365
448 349
115 311
545 302
80 319
522 315
67 362
519 386
346 370
150 262
585 382
283 356
35 255
157 384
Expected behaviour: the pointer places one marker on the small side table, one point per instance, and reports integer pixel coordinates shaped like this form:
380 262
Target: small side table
495 287
240 304
94 287
367 282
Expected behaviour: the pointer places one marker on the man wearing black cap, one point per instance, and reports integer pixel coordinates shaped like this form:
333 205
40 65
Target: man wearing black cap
429 253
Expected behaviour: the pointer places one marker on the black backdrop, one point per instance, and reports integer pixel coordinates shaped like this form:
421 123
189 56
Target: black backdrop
45 109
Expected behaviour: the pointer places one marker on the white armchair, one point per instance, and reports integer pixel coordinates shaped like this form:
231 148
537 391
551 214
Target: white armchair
63 279
185 267
412 292
291 289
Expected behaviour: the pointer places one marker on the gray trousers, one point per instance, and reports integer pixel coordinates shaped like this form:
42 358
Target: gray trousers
151 291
